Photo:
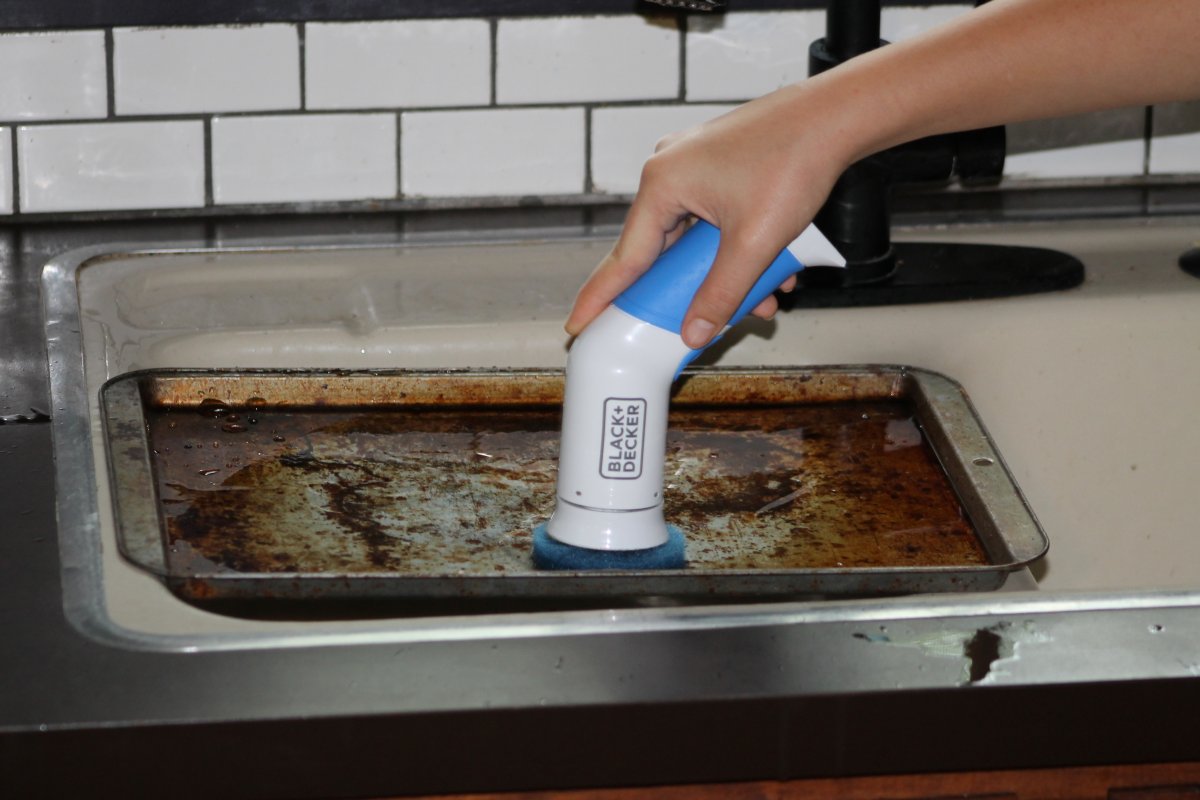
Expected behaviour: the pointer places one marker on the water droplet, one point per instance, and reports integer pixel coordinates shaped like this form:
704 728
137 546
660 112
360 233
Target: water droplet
233 427
277 438
256 403
983 461
212 407
207 472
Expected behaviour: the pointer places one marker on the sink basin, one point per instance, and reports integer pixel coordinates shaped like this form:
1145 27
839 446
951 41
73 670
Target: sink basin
1086 392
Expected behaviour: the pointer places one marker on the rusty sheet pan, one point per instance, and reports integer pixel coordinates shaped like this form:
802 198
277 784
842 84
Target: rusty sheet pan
384 492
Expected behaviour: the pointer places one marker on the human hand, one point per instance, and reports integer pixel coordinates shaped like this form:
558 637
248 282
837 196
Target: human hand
759 173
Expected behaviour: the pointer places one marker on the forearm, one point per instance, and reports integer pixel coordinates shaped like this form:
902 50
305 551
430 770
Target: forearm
1015 60
761 172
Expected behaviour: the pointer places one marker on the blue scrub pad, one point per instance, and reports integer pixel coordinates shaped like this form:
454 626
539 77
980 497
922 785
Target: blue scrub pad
549 553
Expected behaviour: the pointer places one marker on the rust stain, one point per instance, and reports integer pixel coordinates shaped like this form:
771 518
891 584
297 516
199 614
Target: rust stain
447 477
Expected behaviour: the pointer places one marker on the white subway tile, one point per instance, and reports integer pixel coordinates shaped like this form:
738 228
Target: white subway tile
623 138
1177 153
499 152
898 23
1175 145
582 59
6 186
59 75
111 165
742 55
303 158
397 64
739 56
198 70
1108 159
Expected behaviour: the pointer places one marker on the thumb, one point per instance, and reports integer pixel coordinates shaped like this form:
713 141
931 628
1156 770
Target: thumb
739 263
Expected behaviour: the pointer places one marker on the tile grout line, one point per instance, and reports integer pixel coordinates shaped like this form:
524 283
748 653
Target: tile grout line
110 73
494 58
209 198
1147 139
15 179
588 185
667 102
683 31
399 155
302 43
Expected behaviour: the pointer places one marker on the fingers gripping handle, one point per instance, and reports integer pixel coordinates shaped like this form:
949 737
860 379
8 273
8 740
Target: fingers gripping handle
662 295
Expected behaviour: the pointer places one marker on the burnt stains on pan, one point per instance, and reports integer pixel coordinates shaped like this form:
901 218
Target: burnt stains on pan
430 489
357 490
843 485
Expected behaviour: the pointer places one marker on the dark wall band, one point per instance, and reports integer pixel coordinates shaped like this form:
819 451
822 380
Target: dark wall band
58 14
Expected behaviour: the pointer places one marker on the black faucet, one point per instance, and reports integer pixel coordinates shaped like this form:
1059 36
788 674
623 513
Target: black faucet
856 219
855 216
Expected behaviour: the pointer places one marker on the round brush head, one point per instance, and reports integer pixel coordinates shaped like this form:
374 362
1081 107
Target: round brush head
551 554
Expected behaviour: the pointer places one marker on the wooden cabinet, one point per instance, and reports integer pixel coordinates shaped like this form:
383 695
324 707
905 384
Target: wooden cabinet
1127 782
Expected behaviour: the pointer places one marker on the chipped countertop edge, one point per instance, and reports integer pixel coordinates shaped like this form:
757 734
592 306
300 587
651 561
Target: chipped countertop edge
1021 650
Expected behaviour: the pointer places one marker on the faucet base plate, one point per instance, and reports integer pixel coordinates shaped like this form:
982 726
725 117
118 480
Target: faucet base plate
939 272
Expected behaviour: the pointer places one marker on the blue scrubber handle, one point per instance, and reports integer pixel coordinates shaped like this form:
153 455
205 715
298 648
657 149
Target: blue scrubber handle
662 295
